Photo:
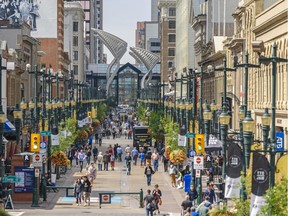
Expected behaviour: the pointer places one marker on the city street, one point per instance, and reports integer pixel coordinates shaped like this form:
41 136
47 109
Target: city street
109 181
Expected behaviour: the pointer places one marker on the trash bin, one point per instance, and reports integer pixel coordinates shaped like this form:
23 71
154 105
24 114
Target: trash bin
187 181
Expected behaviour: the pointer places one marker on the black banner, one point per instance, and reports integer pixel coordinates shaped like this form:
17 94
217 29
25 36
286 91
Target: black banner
233 171
260 182
234 165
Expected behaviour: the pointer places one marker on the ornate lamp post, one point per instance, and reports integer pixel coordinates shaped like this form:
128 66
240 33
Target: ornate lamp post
48 108
224 120
248 130
207 116
213 107
2 121
31 107
266 121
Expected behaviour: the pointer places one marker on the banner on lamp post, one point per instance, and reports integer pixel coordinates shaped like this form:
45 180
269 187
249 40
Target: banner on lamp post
233 173
182 140
260 182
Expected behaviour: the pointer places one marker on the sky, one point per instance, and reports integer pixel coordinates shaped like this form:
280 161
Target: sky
120 19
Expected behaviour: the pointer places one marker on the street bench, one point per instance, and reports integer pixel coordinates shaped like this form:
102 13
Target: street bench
67 188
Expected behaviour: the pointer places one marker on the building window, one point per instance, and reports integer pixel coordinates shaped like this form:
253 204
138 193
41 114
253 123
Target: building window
155 44
22 90
172 37
172 24
75 40
170 64
75 69
171 51
75 26
75 55
172 11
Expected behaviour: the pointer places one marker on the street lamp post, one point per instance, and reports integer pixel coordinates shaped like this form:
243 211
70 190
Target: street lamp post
213 107
248 129
23 107
266 120
31 107
17 113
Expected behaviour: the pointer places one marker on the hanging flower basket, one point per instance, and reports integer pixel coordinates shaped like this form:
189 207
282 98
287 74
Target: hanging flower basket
59 159
177 156
95 123
82 135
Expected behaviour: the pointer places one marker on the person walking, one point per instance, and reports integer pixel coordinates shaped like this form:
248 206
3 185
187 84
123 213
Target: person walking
148 200
148 172
142 158
112 161
185 205
209 192
78 188
172 173
71 155
119 153
88 157
92 172
81 157
76 157
193 194
128 160
157 198
95 153
100 161
155 157
106 160
86 191
148 156
134 154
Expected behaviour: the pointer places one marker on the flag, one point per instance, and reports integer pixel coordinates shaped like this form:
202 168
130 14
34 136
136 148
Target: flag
260 182
233 171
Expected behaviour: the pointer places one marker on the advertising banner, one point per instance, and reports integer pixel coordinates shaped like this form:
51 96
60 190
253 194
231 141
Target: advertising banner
260 182
233 171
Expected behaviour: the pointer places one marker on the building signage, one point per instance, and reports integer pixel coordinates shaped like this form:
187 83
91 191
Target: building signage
26 174
279 141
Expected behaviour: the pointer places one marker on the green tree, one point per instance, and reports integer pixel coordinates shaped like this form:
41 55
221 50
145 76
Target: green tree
276 200
155 124
141 114
101 112
69 128
171 134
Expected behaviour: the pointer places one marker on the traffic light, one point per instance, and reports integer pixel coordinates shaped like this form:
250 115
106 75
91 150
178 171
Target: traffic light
199 143
35 142
89 114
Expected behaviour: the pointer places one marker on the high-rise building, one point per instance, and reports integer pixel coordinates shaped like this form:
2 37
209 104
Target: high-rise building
93 10
74 38
154 10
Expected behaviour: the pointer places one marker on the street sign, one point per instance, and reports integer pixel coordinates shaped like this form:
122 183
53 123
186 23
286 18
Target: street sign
26 158
37 173
11 179
198 173
37 160
43 147
190 135
199 162
279 141
192 153
45 133
43 157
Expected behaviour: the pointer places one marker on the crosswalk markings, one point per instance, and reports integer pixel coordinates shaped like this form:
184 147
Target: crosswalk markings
15 213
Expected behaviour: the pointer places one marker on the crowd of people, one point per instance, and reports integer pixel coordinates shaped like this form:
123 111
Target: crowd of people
93 158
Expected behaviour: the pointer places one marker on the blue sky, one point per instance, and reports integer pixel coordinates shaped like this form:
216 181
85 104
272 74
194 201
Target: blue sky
120 18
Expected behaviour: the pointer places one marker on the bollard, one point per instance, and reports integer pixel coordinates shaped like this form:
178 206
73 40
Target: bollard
141 198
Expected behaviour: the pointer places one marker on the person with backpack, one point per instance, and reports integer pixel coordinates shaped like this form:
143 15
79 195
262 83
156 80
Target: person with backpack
148 200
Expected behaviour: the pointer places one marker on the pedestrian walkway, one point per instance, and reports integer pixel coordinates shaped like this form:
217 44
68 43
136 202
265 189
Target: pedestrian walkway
113 181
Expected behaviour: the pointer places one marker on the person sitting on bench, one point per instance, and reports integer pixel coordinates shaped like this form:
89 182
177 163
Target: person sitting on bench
51 184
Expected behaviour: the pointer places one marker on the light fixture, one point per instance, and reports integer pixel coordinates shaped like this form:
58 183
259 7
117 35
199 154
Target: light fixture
248 123
213 105
224 118
17 113
266 118
31 104
207 114
241 113
23 104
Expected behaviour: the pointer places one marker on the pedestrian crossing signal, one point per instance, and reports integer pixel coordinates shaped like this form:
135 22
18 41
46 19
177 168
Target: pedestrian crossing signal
35 142
89 114
199 143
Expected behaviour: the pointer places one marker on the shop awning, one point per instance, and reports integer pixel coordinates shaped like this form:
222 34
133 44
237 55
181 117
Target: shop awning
8 126
4 140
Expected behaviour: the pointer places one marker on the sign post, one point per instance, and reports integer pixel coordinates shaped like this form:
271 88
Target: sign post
279 141
199 162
